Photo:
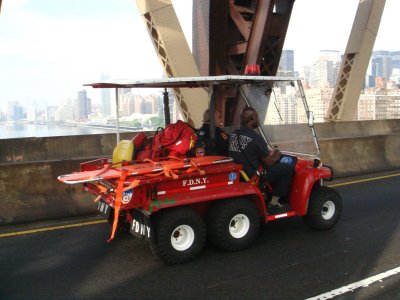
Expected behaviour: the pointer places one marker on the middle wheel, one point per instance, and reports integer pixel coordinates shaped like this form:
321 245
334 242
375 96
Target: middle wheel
233 224
180 235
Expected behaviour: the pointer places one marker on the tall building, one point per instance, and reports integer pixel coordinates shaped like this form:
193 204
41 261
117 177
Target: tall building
382 64
51 113
137 103
126 102
366 105
174 109
15 111
379 104
395 56
65 111
283 109
325 70
286 64
396 76
82 107
105 97
305 75
318 101
394 103
149 105
322 74
31 112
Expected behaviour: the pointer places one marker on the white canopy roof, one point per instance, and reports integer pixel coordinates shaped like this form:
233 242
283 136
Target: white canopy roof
190 82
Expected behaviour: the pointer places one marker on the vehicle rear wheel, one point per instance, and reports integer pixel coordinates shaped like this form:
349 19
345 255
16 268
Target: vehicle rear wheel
233 224
180 235
324 208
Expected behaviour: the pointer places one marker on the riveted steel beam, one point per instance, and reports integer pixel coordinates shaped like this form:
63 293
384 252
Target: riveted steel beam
243 32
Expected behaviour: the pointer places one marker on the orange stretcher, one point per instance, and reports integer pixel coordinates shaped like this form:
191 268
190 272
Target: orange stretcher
165 167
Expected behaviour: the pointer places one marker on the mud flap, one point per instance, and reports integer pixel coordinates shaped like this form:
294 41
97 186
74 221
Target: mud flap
141 226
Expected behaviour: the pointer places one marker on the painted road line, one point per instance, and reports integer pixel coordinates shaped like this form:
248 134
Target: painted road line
363 180
357 285
51 228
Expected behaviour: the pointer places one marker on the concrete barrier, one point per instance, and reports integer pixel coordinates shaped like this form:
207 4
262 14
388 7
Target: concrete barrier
30 191
29 167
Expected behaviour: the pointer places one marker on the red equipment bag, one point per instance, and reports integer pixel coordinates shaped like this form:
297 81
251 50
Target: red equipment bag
144 150
174 140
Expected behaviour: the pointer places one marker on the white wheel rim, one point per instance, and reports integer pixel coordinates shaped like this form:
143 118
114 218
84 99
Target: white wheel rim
239 226
328 210
182 237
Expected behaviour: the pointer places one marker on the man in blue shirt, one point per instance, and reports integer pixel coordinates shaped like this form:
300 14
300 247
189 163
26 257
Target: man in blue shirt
249 149
203 145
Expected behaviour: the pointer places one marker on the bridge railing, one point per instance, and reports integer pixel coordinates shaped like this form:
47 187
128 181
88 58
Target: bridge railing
29 167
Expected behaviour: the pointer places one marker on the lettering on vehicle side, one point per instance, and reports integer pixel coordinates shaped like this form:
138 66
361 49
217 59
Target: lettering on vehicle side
102 207
197 181
140 228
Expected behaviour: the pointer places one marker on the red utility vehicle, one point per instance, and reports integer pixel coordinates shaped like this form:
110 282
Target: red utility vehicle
176 204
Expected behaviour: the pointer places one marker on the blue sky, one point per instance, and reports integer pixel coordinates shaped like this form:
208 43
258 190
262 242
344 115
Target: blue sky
49 48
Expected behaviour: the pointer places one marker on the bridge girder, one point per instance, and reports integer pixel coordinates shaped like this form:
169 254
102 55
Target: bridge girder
241 32
344 101
174 54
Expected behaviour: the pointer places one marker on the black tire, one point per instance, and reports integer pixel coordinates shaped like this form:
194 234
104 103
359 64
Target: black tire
324 208
123 226
189 231
233 224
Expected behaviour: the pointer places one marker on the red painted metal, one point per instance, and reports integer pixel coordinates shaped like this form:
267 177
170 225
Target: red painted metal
216 182
306 176
241 33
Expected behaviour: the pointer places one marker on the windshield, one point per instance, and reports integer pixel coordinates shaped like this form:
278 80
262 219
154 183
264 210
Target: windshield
279 101
283 115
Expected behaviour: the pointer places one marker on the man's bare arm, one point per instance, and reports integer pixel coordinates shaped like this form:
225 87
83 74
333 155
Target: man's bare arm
273 157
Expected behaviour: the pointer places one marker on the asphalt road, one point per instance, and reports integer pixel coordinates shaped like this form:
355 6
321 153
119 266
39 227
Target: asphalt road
288 260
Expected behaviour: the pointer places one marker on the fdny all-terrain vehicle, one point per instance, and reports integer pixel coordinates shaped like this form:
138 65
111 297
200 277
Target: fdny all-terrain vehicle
176 203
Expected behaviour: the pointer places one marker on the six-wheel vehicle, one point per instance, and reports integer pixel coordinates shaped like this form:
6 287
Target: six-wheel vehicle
176 203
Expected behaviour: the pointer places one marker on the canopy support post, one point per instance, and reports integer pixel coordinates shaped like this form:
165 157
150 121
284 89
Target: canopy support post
117 111
167 116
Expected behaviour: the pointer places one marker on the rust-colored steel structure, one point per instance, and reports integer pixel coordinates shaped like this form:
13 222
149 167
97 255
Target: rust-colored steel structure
241 32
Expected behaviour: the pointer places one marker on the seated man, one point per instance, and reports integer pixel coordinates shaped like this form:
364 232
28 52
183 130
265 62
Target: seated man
249 149
203 145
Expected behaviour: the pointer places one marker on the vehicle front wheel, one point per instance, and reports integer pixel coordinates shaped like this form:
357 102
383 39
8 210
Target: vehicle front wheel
233 224
324 208
180 235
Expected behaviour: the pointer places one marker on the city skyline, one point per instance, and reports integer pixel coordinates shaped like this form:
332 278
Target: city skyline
69 43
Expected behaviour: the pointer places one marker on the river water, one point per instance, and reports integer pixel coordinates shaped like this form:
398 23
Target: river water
8 131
